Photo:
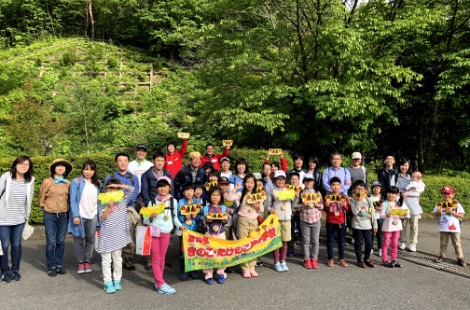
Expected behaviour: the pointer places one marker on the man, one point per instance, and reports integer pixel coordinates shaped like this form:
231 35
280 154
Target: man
151 177
189 174
174 158
388 175
225 170
127 178
298 163
357 171
138 167
214 158
335 170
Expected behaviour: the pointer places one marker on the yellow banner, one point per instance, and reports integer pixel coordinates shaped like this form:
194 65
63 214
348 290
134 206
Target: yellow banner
205 252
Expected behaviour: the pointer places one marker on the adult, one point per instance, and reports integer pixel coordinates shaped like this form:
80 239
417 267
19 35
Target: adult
138 167
214 158
241 170
335 170
313 164
357 171
298 163
126 178
225 170
174 157
54 201
151 177
191 173
16 188
83 217
283 164
267 177
387 176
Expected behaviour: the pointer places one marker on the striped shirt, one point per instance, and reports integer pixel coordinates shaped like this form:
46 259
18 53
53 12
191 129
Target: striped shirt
16 204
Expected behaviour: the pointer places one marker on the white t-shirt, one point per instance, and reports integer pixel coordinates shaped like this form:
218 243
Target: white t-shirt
448 222
89 202
139 168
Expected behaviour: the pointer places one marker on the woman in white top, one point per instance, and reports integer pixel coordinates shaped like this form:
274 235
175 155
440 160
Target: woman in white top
16 194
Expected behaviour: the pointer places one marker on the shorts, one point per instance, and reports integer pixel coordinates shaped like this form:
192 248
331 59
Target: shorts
285 230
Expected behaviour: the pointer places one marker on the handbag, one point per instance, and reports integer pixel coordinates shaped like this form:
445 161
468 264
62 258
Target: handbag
27 231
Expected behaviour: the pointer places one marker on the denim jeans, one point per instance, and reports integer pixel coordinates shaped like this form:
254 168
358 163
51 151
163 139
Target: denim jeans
335 231
56 228
11 235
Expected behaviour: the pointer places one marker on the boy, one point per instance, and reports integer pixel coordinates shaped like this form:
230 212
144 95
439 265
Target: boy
336 206
388 175
450 212
295 180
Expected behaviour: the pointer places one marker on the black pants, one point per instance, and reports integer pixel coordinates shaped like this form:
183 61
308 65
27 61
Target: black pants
360 235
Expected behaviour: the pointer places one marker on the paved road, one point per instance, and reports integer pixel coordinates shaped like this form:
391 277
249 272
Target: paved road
411 287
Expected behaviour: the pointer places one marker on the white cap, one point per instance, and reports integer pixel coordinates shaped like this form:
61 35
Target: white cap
308 177
257 176
356 155
279 173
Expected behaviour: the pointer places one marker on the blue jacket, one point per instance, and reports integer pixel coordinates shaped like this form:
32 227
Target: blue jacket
194 226
149 184
126 180
184 176
76 190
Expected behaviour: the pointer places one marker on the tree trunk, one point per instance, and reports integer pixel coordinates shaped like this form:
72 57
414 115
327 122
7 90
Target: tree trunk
92 20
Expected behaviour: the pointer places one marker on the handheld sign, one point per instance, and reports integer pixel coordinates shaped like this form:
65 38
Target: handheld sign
227 142
275 152
183 135
209 185
190 209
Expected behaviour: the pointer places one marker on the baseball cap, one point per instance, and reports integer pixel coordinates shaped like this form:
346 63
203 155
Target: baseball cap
194 154
447 190
223 180
225 159
308 177
257 176
164 180
376 183
141 146
279 173
356 155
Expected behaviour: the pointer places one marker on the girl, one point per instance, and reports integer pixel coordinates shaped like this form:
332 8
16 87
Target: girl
83 218
403 180
392 226
165 221
114 232
411 198
376 199
313 164
215 228
280 204
241 170
248 220
54 201
363 222
310 218
16 188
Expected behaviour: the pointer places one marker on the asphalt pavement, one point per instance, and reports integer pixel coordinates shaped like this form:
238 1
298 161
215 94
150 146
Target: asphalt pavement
410 287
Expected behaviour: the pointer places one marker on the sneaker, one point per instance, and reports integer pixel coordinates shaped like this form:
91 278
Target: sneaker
259 263
277 267
194 275
284 266
253 274
16 276
210 281
60 270
87 267
331 263
412 247
307 264
184 276
441 259
402 245
109 287
81 268
314 263
371 251
52 272
7 277
117 285
369 263
220 279
388 264
165 289
379 252
148 266
343 263
361 264
460 262
396 264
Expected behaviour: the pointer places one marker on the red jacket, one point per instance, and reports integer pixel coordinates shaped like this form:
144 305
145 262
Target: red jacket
174 162
335 210
214 159
283 163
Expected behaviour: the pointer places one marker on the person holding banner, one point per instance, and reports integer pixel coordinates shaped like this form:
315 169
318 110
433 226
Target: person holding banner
248 220
215 214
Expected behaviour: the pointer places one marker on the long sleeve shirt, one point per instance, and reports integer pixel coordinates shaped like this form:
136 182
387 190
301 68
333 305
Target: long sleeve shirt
342 173
126 180
364 217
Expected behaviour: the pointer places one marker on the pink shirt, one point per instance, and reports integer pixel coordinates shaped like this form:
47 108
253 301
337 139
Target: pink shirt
247 211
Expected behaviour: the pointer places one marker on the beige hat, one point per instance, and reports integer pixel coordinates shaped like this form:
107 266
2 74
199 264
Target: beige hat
59 161
356 155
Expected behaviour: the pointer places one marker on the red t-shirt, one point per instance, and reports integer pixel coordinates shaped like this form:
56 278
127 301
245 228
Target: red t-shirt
336 208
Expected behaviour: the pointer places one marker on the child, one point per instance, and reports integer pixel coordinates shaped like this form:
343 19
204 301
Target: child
261 215
281 204
376 199
165 221
413 191
310 218
199 193
363 222
392 226
247 220
190 221
295 227
215 228
449 224
114 232
336 206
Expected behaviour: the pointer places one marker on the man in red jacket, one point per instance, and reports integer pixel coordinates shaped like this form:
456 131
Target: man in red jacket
214 158
174 158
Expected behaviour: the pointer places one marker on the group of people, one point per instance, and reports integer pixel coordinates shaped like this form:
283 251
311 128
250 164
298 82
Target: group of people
299 197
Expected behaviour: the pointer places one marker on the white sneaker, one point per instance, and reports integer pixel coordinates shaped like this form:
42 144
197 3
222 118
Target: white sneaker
412 247
402 246
379 252
371 251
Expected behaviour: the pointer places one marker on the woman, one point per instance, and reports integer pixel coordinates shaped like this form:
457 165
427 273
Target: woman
313 164
84 214
16 195
54 201
241 170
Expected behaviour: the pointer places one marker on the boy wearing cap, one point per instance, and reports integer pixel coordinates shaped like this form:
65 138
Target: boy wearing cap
191 173
450 214
377 200
214 158
356 170
174 157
